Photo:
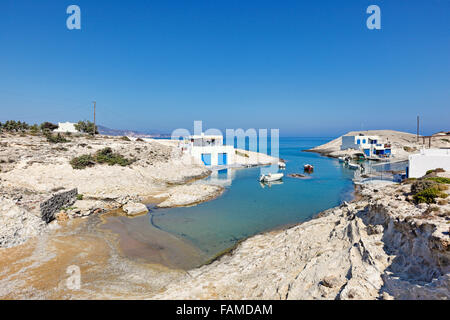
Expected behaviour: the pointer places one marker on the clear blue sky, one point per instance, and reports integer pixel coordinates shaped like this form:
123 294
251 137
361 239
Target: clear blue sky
306 67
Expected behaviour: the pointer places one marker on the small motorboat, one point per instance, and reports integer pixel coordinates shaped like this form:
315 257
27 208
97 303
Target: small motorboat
345 159
353 165
281 165
308 168
271 177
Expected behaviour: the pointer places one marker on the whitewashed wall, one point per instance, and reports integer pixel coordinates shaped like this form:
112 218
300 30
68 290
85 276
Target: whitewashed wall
196 152
428 159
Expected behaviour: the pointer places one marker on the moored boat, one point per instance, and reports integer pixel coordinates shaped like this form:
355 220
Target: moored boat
308 168
353 165
271 177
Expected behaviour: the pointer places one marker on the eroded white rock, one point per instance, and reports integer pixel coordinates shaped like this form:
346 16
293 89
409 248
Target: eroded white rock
133 209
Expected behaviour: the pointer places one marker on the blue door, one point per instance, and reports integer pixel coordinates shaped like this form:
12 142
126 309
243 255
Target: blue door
206 158
222 159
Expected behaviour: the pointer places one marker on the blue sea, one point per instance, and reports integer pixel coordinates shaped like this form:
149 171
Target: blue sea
247 207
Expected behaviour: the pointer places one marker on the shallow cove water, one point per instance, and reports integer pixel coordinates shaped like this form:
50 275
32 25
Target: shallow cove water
188 237
247 207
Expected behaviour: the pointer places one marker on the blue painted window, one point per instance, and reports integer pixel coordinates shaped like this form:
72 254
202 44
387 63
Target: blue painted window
222 159
364 141
358 141
206 158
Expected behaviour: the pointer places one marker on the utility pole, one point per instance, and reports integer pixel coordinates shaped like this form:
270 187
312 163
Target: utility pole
94 117
417 128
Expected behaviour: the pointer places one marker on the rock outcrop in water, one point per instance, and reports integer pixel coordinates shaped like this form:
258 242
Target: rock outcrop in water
188 195
380 247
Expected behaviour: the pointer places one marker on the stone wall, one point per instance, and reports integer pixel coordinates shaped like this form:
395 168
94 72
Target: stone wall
56 202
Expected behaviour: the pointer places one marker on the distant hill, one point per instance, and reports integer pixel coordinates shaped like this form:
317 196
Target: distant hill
130 133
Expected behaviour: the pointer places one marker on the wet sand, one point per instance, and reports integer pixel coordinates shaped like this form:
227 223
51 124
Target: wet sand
38 268
141 241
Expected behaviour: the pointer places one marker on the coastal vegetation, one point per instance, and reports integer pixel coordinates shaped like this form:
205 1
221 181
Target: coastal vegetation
429 189
429 195
434 171
45 127
409 149
103 156
82 162
48 126
58 138
440 179
86 127
14 126
19 126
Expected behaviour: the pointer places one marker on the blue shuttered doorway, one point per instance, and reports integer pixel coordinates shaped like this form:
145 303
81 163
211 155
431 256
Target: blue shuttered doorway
206 158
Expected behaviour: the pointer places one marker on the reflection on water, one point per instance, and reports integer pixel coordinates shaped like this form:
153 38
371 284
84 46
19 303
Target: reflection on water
270 183
222 177
247 207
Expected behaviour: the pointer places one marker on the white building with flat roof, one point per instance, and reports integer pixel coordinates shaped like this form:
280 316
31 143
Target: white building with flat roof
65 127
369 145
210 150
428 159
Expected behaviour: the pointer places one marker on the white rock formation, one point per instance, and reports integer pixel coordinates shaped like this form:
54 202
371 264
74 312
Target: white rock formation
134 209
380 247
17 224
186 195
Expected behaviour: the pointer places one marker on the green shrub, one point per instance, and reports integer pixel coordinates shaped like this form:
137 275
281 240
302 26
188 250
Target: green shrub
86 127
82 162
34 129
125 138
79 197
48 126
14 126
420 185
437 170
429 195
439 179
56 138
106 155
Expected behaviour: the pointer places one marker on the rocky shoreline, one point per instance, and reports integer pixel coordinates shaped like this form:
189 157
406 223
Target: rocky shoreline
380 246
33 171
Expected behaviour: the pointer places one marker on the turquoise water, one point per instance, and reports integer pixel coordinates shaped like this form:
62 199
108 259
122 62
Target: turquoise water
247 208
